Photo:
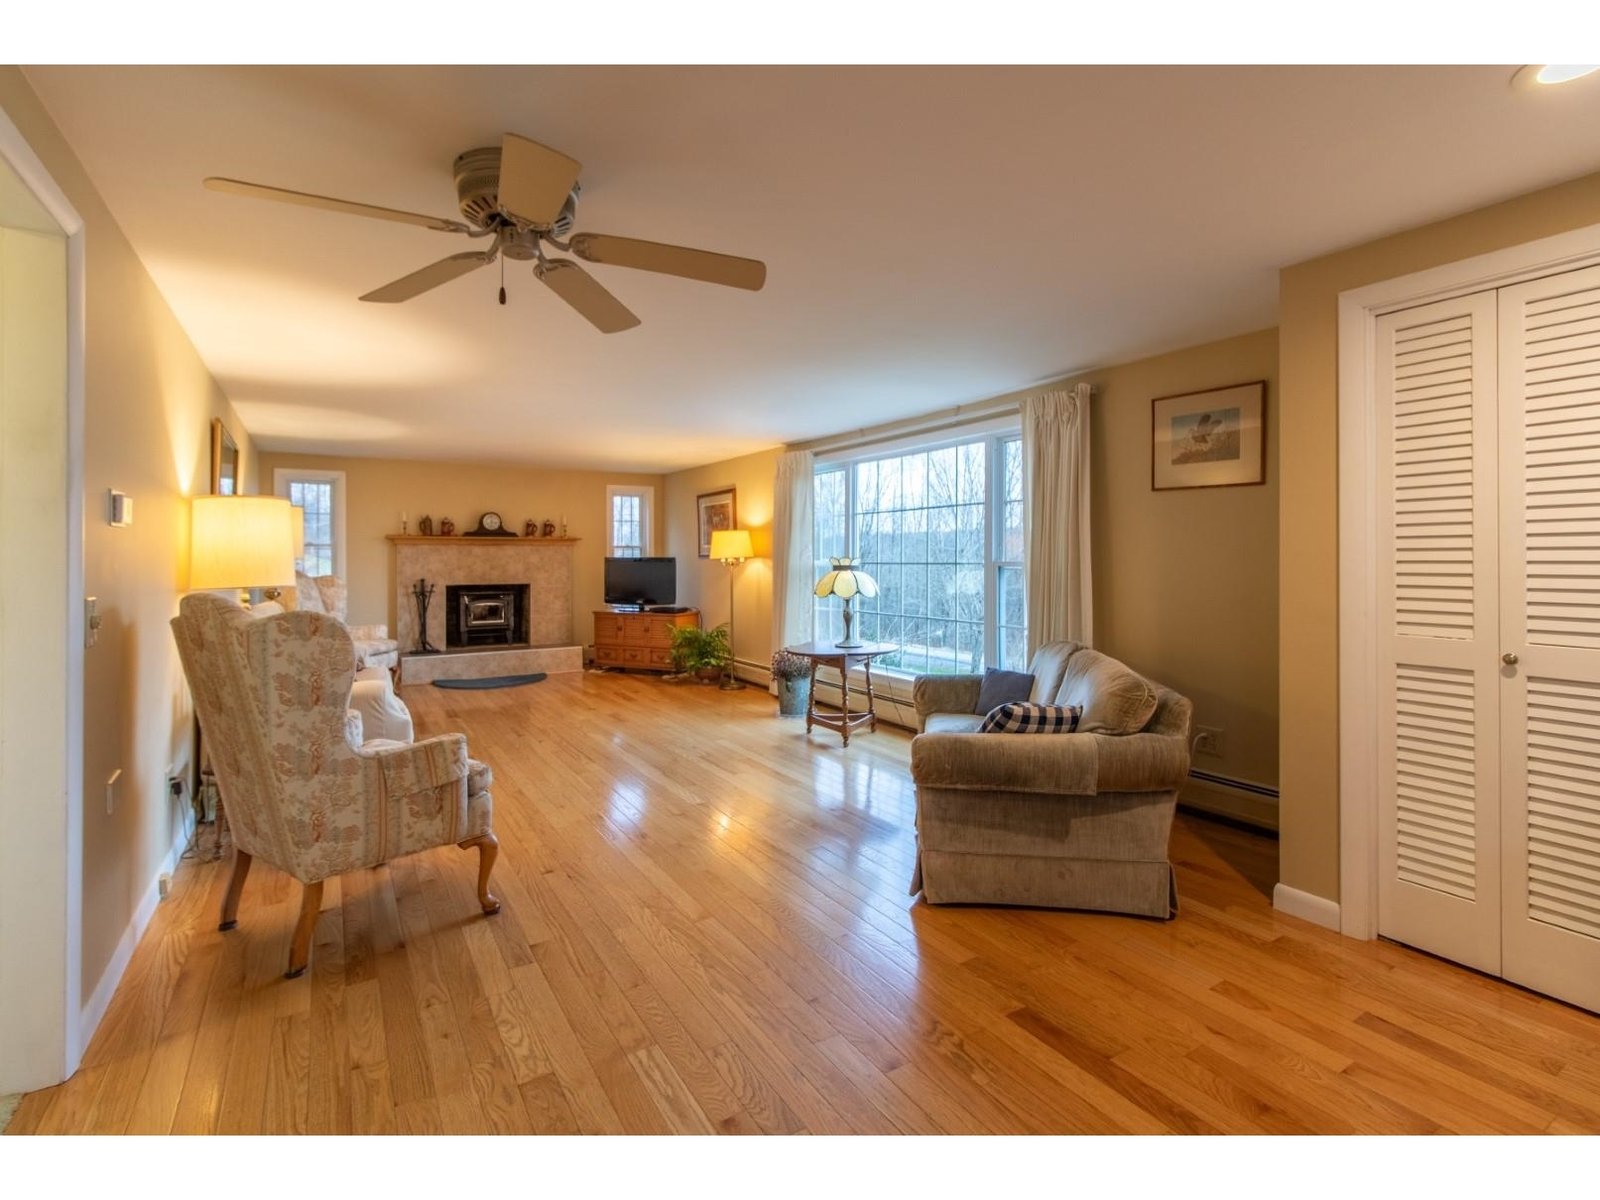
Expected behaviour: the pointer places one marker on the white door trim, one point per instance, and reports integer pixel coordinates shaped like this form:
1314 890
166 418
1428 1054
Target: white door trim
63 907
1358 531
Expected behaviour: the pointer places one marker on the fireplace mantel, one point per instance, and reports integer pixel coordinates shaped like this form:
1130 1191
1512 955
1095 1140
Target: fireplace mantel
515 540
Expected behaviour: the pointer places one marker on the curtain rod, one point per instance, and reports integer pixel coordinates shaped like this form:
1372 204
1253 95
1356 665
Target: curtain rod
935 422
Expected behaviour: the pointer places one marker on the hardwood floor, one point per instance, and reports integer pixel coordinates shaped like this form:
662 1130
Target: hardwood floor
706 929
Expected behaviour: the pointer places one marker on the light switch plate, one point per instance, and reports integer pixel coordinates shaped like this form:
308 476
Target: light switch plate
119 509
91 620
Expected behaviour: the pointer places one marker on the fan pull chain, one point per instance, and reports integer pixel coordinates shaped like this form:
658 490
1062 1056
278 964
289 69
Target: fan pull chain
502 281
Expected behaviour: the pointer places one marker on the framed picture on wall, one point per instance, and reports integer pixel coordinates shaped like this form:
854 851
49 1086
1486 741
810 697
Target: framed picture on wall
1209 439
716 511
224 460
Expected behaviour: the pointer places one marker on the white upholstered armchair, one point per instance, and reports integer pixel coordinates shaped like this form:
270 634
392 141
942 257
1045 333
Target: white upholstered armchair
329 594
273 696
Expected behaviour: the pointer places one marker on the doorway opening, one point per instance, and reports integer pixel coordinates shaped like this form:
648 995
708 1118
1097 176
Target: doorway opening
41 620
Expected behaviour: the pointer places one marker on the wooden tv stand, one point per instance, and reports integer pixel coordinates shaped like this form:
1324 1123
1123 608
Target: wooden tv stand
633 640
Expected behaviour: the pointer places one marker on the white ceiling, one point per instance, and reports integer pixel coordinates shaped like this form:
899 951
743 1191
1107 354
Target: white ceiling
933 235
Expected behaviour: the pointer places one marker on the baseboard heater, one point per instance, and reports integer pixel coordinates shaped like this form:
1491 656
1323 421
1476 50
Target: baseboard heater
1237 799
891 709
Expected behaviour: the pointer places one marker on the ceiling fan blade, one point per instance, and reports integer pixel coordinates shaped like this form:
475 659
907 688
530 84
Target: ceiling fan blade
535 180
429 277
748 273
581 290
285 196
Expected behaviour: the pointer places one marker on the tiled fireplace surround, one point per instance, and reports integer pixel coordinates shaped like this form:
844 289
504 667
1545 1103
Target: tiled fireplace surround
544 564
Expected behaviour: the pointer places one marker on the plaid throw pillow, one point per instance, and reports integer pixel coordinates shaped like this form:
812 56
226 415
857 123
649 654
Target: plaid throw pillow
1022 717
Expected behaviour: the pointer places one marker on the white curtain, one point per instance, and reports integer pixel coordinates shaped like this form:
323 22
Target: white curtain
793 499
1055 456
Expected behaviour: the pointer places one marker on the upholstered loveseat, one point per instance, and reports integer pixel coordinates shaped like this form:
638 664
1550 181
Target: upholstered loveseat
1056 820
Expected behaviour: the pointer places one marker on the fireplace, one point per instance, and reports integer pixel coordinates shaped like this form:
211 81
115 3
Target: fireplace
485 614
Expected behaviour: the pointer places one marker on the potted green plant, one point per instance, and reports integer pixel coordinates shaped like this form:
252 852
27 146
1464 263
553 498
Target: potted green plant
792 675
703 653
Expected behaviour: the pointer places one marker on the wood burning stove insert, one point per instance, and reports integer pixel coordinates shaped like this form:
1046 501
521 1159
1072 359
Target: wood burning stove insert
486 614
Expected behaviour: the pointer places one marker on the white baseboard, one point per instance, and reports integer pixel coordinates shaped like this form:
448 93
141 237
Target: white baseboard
1317 909
94 1009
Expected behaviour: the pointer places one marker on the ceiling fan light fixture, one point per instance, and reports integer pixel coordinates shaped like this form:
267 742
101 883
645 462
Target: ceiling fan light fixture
1536 76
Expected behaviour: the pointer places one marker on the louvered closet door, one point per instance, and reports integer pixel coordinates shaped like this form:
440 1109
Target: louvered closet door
1439 850
1550 614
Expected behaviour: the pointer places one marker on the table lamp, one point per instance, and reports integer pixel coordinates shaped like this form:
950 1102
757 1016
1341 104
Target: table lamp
847 581
240 542
297 530
731 547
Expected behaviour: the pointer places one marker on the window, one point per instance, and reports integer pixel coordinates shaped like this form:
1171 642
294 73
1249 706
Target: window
940 529
319 495
629 521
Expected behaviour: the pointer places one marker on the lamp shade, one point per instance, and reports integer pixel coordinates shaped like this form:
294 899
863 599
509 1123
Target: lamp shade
240 542
297 530
731 544
846 581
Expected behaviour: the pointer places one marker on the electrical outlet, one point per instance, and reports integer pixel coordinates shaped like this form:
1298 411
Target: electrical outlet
164 884
1208 741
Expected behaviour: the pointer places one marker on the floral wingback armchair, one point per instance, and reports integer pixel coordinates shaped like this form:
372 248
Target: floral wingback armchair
272 697
329 594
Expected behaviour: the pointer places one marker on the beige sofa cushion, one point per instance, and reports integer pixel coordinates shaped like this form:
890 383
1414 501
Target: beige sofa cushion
1114 699
953 723
1048 668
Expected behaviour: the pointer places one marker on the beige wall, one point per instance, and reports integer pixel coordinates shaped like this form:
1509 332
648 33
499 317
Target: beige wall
703 582
1309 533
1185 582
149 402
34 573
378 490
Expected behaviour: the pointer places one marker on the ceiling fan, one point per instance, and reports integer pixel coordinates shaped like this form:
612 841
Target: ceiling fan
523 196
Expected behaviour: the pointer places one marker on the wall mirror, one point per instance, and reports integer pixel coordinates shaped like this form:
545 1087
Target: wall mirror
224 460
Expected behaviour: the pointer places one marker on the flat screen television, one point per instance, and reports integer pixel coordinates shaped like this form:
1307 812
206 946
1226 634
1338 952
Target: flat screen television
646 582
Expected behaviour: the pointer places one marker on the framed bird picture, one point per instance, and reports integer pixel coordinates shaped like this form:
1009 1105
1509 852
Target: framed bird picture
1209 439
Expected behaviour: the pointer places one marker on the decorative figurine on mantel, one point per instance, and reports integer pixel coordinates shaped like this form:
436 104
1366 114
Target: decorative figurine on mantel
530 528
447 527
425 526
549 529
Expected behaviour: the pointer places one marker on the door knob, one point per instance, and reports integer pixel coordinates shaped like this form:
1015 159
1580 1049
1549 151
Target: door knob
1509 659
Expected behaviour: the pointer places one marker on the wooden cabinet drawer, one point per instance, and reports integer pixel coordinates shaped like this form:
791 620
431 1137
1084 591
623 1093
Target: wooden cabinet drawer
661 658
635 656
608 656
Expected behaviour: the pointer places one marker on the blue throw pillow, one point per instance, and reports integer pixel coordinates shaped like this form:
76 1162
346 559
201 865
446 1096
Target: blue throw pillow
1032 718
1003 687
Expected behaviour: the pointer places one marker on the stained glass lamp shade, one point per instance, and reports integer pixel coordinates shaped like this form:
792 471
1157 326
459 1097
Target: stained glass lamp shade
847 581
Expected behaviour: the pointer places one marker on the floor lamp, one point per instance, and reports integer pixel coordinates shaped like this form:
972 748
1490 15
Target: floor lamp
731 547
237 543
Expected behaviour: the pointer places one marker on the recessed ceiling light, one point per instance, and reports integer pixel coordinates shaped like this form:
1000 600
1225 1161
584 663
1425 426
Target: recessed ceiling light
1550 74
